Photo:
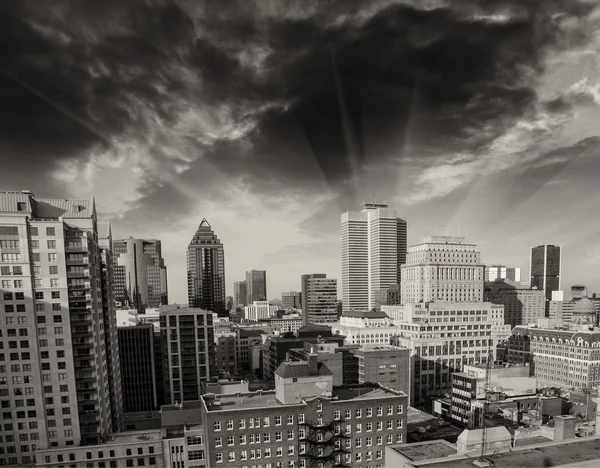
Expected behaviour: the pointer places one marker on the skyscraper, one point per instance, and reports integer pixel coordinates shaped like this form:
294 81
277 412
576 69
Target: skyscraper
373 249
140 274
256 286
291 299
206 271
321 301
240 294
187 336
138 369
51 298
545 269
304 286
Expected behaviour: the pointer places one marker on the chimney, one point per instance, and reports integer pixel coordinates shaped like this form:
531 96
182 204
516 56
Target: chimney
313 364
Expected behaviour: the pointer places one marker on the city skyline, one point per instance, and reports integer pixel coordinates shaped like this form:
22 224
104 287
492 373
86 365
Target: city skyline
500 139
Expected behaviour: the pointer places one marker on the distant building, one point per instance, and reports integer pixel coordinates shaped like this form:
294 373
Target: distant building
240 294
229 303
140 274
226 358
256 286
138 368
501 272
563 303
291 300
259 310
373 249
545 269
206 271
522 306
304 286
286 323
187 336
321 300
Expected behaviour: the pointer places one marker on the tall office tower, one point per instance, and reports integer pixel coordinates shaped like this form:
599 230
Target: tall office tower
544 271
109 316
140 274
522 305
187 336
304 286
494 272
321 301
442 268
240 294
291 300
256 286
373 250
138 367
206 271
57 385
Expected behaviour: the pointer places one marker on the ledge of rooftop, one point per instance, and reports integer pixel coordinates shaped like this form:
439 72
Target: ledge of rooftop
185 405
263 399
428 450
564 453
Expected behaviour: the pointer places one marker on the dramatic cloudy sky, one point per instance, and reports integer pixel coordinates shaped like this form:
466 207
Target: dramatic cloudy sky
272 117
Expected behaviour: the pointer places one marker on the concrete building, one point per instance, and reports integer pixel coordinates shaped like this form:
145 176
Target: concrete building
187 337
563 303
501 272
256 286
51 283
286 323
522 306
365 328
291 300
206 271
325 353
111 341
545 269
321 300
259 310
304 286
240 294
226 357
442 268
138 368
304 422
386 365
373 249
140 274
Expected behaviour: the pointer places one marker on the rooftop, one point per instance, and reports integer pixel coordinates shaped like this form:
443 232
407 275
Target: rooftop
426 450
289 369
262 399
373 314
562 453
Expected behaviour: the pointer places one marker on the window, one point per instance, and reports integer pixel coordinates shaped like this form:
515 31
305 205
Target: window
319 406
290 450
390 410
55 294
359 428
58 330
40 308
389 439
35 257
230 424
218 442
379 440
33 231
243 439
359 413
6 284
290 419
17 271
10 257
369 412
267 437
54 282
51 244
348 414
54 270
57 318
369 427
8 296
230 441
337 415
278 436
290 434
217 426
301 418
390 425
50 231
278 420
399 409
53 257
399 424
219 457
231 457
379 425
242 424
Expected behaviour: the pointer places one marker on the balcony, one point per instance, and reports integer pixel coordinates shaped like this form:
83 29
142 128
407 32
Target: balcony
80 286
78 261
82 344
76 247
81 333
78 274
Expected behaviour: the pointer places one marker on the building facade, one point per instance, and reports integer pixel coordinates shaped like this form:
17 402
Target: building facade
321 300
206 271
502 272
291 300
256 286
545 269
138 368
187 337
240 294
140 274
305 422
373 249
56 387
259 310
304 286
522 306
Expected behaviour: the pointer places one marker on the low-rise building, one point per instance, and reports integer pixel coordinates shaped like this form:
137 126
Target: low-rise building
305 422
522 305
260 310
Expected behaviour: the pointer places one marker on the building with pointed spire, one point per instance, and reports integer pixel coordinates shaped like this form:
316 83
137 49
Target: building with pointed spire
206 271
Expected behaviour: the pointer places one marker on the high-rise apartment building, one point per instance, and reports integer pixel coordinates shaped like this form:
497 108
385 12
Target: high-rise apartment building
544 272
304 287
494 272
187 336
56 388
138 367
291 300
206 271
140 274
240 294
256 286
109 316
373 249
442 268
321 301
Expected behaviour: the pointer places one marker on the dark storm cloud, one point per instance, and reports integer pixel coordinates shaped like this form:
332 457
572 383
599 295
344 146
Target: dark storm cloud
324 88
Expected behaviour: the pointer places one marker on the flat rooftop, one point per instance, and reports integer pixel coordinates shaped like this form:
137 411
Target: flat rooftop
427 450
193 404
578 450
267 398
